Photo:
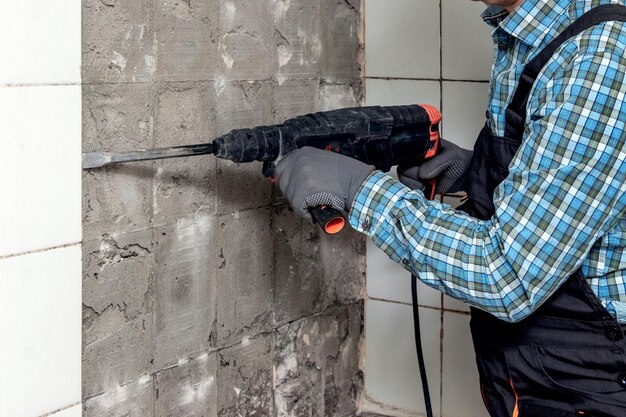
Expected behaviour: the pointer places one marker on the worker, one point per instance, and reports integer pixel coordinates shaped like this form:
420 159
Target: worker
539 249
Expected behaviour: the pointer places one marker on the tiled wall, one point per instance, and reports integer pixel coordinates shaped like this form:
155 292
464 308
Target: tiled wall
436 52
40 208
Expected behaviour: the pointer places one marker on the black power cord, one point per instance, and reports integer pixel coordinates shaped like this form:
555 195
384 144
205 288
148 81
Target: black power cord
418 347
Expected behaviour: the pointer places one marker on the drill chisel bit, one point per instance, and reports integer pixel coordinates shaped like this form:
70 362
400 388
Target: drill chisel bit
101 159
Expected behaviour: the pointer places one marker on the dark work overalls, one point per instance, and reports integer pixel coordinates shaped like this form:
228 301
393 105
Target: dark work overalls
567 358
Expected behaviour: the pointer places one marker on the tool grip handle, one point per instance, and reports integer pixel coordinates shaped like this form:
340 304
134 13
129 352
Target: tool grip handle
329 219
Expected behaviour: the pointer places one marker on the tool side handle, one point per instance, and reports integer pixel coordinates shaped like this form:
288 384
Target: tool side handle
329 219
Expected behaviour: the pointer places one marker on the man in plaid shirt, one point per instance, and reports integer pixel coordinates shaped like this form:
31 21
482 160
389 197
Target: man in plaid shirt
539 250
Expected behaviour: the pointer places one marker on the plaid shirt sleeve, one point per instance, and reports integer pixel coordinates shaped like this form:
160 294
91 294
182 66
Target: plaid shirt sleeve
566 188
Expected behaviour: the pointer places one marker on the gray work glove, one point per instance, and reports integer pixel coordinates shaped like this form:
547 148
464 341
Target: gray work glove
310 177
449 167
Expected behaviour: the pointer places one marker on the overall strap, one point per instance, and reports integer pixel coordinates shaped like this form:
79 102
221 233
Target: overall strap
516 111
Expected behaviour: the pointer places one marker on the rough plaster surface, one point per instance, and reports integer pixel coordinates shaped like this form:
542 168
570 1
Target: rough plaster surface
203 293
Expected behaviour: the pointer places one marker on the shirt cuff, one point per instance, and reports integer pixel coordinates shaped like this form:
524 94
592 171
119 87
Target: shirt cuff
375 199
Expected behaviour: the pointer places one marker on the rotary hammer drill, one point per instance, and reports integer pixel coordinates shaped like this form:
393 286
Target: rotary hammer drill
379 136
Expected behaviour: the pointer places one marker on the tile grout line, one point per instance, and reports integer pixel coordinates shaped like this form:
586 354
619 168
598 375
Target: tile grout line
440 79
441 336
67 407
14 255
21 85
441 69
430 307
441 300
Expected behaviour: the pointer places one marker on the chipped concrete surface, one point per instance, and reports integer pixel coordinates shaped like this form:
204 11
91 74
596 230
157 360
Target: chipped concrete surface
188 389
317 364
203 293
245 379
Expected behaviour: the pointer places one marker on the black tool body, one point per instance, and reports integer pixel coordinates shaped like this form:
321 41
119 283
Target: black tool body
379 136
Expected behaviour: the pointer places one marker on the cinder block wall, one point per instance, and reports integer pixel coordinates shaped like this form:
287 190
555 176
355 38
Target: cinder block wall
203 294
437 52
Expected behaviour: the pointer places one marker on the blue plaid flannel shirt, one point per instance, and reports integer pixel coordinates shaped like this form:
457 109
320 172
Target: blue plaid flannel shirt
563 205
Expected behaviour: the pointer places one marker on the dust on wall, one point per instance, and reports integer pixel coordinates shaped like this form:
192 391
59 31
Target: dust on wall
203 293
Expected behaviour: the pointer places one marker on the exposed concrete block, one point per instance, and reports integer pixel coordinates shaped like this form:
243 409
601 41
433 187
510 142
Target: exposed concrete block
241 187
242 105
135 399
117 272
338 96
185 256
341 52
244 275
189 389
244 379
297 272
342 258
117 311
294 98
116 350
245 43
185 113
117 117
117 199
184 289
186 36
118 41
297 39
317 364
185 187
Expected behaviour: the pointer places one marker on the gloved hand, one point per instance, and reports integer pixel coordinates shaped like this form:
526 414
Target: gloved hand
448 166
310 177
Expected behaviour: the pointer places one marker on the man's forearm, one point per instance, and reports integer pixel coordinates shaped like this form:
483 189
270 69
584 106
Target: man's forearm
447 249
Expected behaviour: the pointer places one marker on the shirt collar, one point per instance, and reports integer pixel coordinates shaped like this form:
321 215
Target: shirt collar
530 22
493 15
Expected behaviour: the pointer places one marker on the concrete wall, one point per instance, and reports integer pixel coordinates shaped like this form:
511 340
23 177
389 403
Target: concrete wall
437 52
203 294
40 221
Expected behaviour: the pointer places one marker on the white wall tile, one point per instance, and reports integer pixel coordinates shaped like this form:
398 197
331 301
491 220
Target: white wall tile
40 41
75 411
40 327
391 370
402 41
388 280
450 303
40 167
385 278
460 386
463 109
400 92
467 46
402 38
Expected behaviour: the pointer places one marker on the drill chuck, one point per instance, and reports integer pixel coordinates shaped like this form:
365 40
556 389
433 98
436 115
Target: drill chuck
246 145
